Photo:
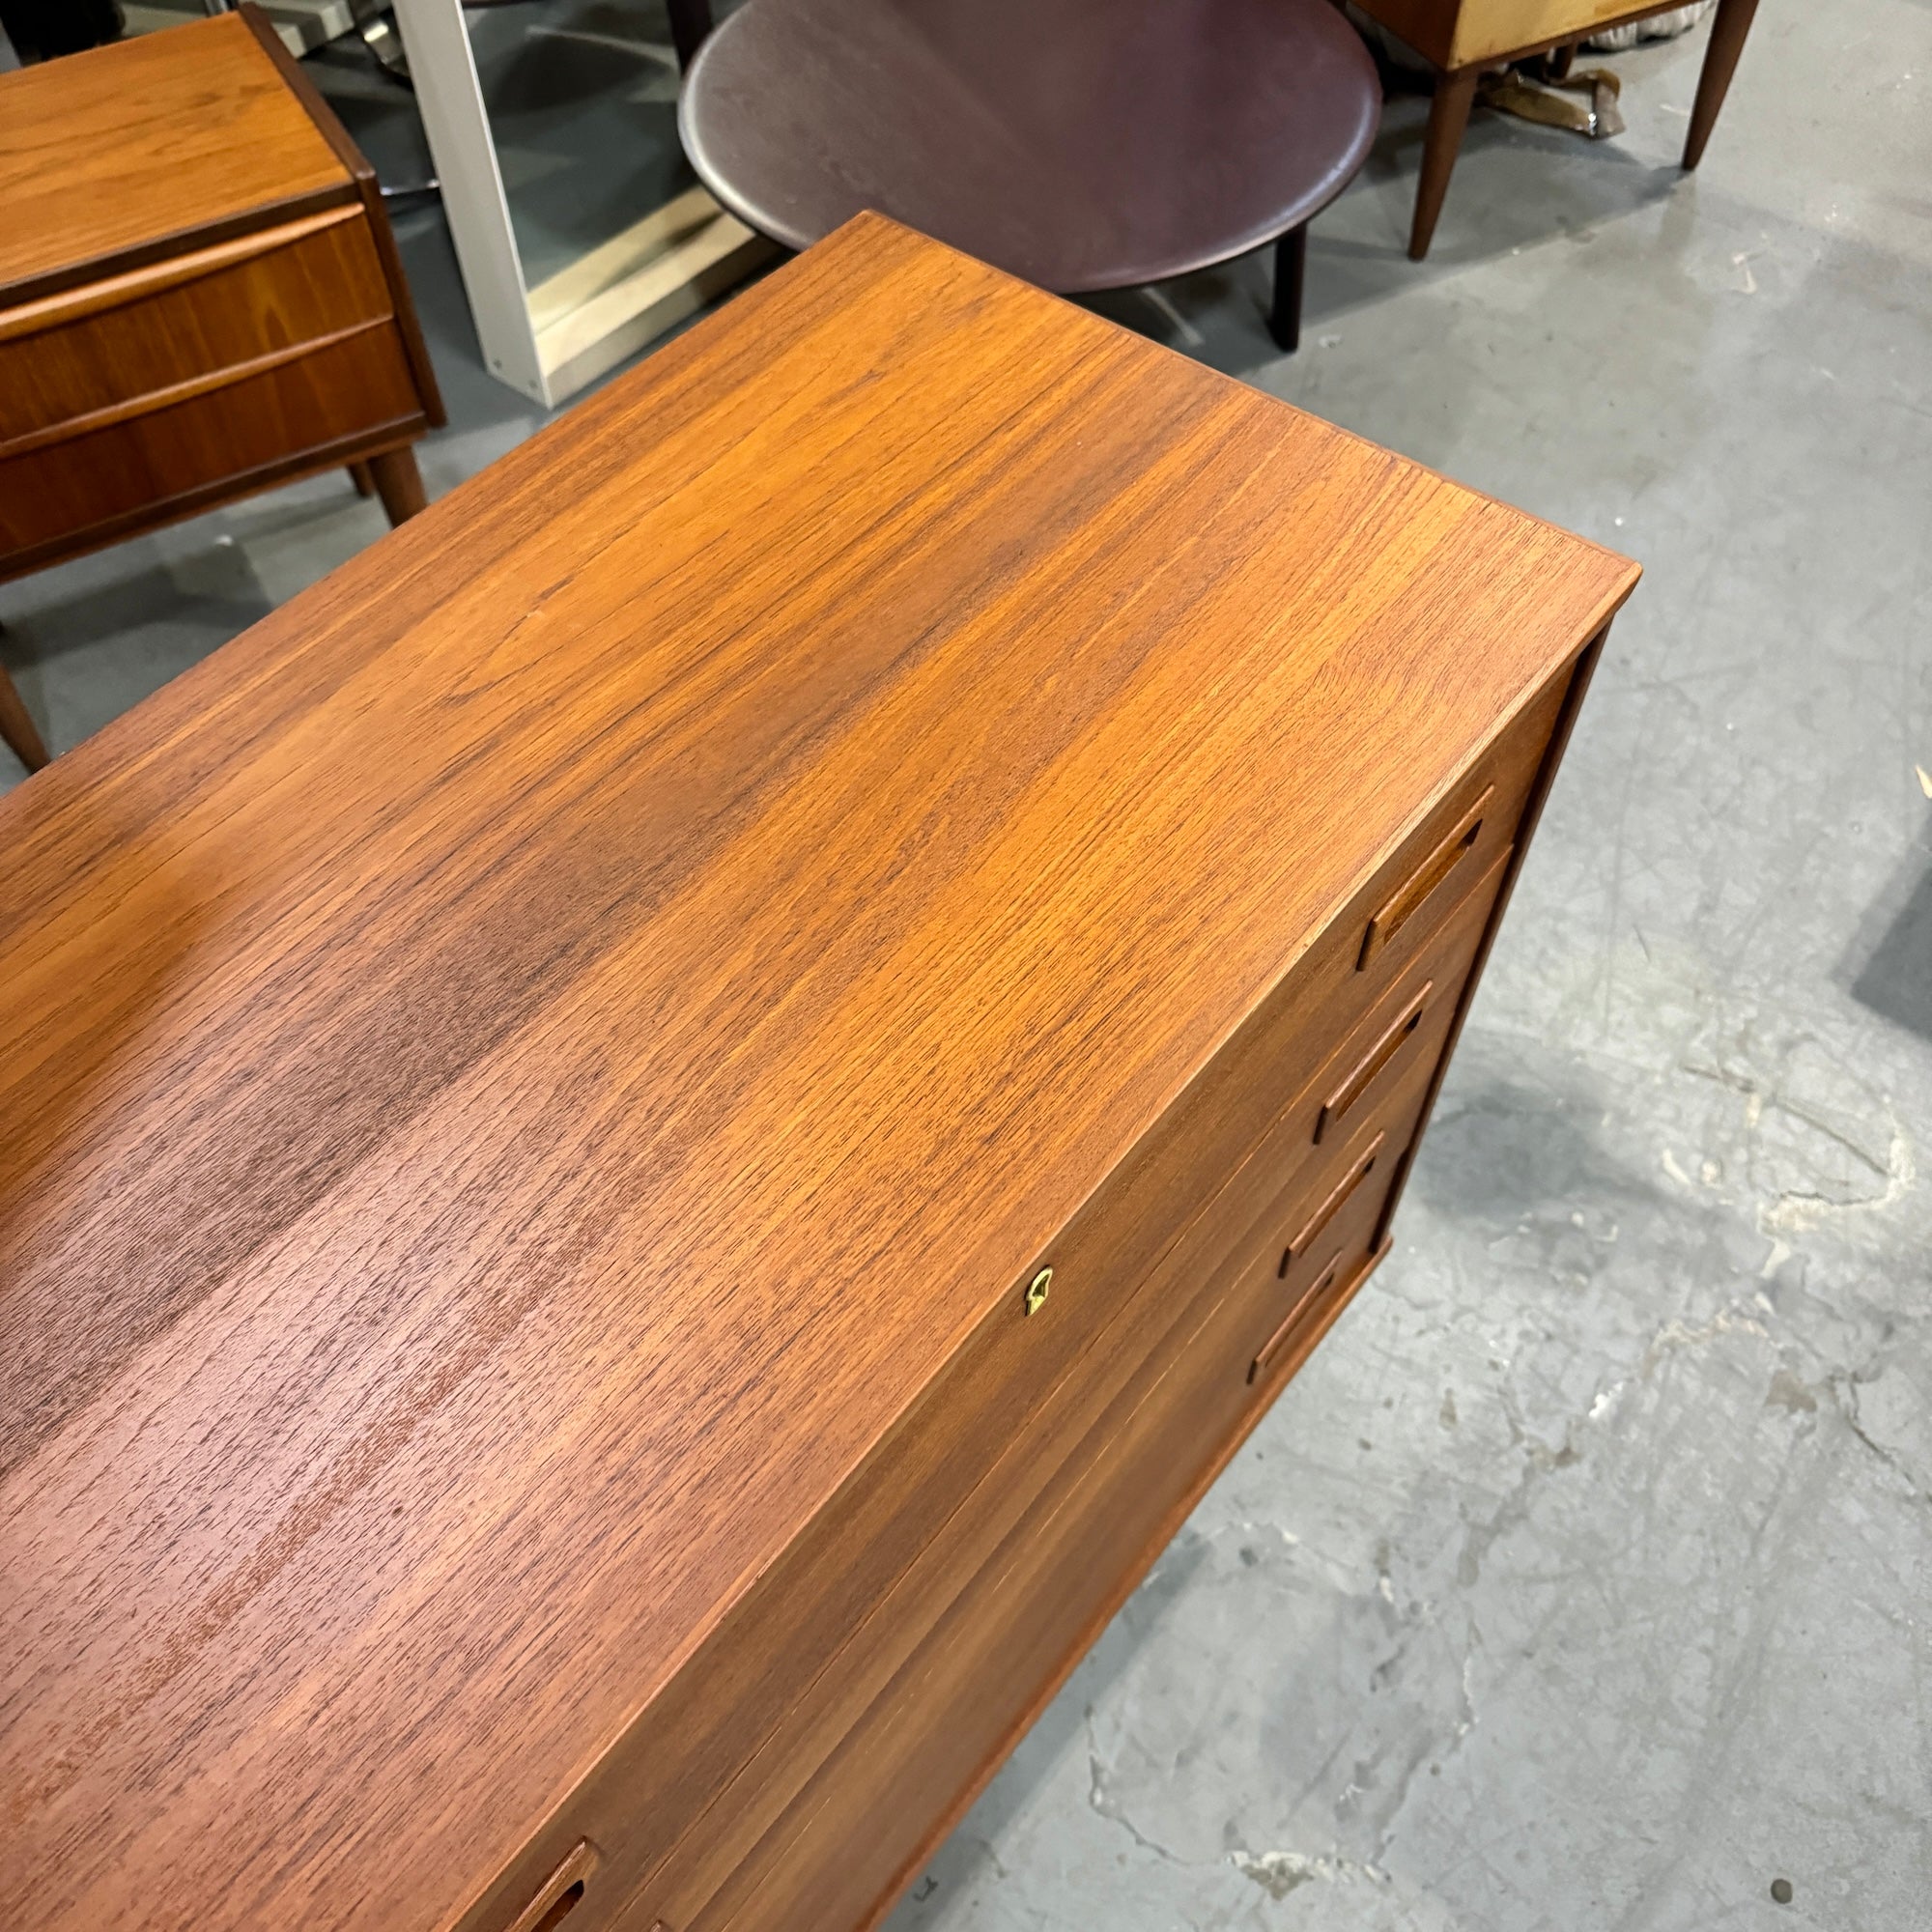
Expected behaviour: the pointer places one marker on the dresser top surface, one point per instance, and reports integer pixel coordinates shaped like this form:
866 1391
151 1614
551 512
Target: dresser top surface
519 1067
183 132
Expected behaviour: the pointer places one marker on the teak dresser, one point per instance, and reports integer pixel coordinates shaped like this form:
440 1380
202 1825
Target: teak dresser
199 295
653 1139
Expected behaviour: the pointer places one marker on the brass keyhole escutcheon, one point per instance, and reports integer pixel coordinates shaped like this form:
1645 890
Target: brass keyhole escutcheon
1036 1290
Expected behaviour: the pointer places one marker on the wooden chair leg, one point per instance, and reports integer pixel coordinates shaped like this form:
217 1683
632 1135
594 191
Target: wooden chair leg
17 727
399 484
1448 117
364 482
1291 263
1728 28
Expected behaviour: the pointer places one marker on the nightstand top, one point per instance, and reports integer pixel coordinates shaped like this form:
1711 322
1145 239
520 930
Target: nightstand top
152 146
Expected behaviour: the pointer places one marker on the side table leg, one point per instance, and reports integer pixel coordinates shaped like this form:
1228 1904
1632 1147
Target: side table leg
690 28
399 484
1448 117
1290 263
364 482
1728 29
17 727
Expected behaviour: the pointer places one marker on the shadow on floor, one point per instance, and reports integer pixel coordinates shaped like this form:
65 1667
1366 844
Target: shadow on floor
1895 980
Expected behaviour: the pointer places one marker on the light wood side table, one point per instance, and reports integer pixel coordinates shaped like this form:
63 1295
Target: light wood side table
1463 37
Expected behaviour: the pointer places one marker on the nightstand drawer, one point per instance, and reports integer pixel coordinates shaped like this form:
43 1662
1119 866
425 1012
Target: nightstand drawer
146 340
155 465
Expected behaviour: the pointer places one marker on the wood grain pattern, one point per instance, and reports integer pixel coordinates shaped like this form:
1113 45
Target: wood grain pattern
1316 1325
1208 1412
140 159
361 445
109 292
523 1068
1456 847
370 190
1010 1394
1486 29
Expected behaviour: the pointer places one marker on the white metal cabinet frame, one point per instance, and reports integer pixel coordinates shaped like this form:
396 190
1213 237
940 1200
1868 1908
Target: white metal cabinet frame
551 340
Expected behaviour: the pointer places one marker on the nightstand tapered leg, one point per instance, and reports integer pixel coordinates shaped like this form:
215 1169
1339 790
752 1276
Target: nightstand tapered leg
358 474
399 483
17 727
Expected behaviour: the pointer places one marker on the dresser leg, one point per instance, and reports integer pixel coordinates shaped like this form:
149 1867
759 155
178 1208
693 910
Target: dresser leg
17 727
1728 29
1291 263
364 482
399 483
1448 117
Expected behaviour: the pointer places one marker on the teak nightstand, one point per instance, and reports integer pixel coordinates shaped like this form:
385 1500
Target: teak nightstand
199 295
654 1139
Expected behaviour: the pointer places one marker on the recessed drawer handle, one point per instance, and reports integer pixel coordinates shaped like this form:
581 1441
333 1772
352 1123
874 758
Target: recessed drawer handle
1373 1062
1332 1207
1414 894
1277 1342
561 1893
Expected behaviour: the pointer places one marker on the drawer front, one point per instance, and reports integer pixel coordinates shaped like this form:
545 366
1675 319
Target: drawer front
848 1839
351 387
1124 1271
98 351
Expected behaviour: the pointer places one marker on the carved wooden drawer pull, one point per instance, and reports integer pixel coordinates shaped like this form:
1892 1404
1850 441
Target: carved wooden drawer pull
1332 1207
561 1893
1414 892
1373 1062
1272 1347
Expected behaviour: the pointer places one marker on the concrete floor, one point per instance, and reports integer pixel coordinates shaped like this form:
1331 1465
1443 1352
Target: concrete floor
1582 1580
